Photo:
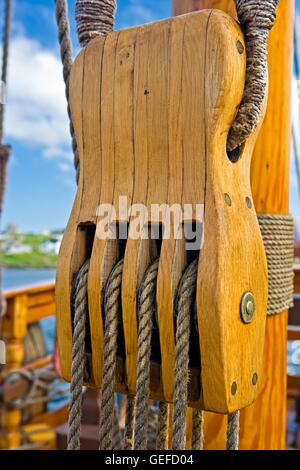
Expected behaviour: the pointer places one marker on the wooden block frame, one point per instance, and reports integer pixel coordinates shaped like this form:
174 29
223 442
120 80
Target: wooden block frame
151 108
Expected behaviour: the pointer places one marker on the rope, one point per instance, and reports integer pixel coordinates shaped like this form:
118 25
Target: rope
94 18
6 37
183 307
129 423
198 430
78 356
111 304
146 311
162 429
4 149
278 236
257 18
233 429
64 38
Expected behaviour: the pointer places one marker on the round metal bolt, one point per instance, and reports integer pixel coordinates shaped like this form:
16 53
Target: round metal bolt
247 307
248 202
233 388
240 47
228 199
254 379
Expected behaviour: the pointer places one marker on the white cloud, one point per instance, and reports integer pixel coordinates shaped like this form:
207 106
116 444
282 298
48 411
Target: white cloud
36 113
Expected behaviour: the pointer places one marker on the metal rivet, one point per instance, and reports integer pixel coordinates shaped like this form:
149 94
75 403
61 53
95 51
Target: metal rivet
247 307
254 379
228 200
248 202
240 47
233 388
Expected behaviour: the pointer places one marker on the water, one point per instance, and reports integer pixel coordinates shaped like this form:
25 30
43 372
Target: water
13 278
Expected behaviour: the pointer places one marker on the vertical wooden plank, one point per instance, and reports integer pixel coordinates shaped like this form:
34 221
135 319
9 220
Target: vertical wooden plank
264 423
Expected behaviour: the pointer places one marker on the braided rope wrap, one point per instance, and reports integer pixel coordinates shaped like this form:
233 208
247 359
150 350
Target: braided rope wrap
278 236
64 38
257 18
94 18
184 307
78 356
146 311
111 305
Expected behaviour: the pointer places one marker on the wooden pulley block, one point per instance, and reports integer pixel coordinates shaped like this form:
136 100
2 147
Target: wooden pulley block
152 107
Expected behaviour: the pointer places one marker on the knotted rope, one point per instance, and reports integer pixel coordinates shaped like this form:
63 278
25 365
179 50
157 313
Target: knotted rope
257 18
78 356
111 305
64 38
278 236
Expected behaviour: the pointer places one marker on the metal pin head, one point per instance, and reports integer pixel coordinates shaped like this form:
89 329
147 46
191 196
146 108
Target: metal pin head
247 307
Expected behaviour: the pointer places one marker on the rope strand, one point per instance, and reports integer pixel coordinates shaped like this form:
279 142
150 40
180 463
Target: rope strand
111 304
146 309
184 307
78 357
64 38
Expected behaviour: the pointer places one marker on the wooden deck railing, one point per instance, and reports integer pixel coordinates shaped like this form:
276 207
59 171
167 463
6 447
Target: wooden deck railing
24 306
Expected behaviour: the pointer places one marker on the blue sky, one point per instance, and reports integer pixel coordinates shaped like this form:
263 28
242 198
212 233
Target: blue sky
41 183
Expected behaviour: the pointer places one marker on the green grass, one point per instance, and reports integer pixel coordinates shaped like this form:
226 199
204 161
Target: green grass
29 260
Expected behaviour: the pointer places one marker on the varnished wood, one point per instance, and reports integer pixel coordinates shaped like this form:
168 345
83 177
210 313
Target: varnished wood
270 185
151 130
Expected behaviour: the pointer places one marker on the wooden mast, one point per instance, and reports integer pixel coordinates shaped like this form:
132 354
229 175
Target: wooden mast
263 425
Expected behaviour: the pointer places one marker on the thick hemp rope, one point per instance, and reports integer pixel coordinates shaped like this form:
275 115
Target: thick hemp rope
146 312
198 430
257 18
111 305
78 356
162 427
94 18
233 429
278 236
129 423
64 38
184 307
